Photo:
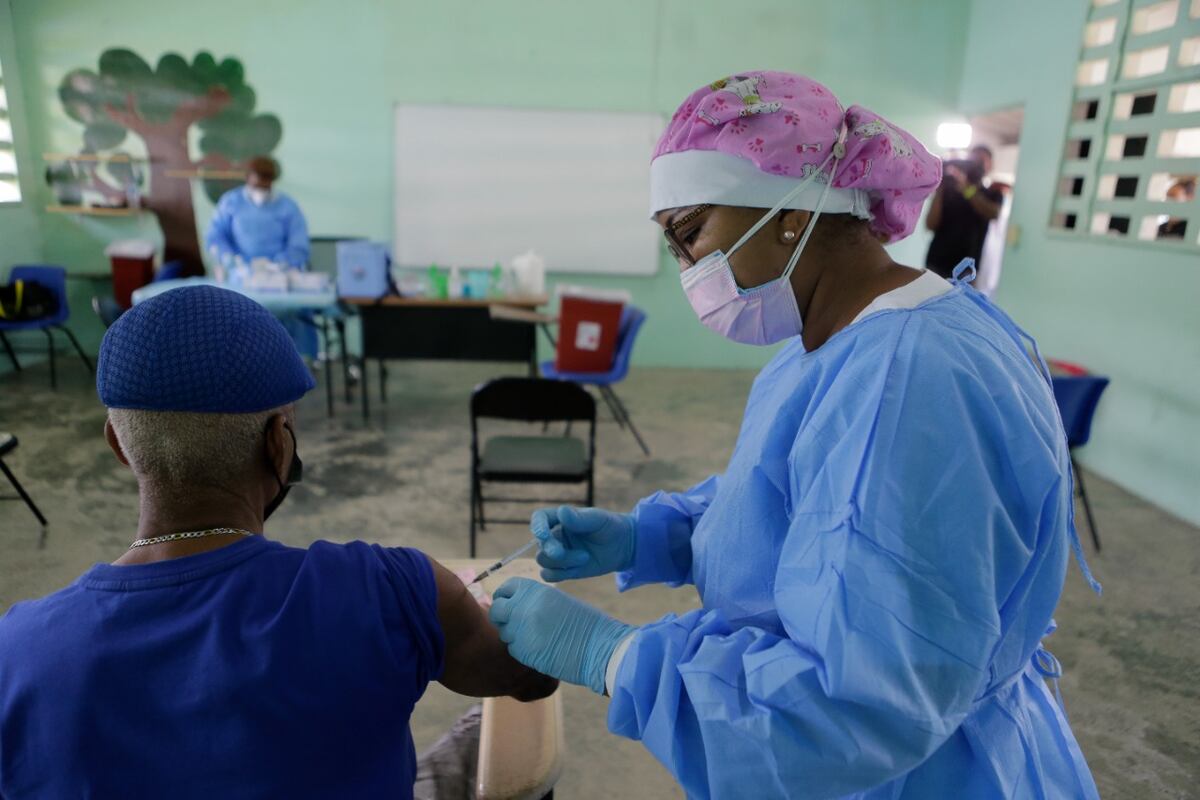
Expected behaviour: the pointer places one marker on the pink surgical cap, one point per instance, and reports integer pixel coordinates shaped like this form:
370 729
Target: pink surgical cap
747 139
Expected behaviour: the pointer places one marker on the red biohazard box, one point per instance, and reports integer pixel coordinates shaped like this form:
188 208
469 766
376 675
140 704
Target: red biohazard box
588 323
132 268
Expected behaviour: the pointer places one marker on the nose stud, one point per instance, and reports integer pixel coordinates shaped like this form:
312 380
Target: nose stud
789 235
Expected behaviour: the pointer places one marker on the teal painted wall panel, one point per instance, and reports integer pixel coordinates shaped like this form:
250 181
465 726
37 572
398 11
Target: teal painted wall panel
1122 310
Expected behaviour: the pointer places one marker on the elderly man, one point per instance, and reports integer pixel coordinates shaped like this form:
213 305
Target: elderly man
207 660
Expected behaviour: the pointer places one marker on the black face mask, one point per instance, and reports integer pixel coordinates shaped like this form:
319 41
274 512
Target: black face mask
294 476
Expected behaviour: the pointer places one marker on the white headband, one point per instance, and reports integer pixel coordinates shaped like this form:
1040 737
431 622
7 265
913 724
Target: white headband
692 177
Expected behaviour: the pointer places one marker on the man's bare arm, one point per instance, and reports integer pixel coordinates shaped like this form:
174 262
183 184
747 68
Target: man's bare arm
477 662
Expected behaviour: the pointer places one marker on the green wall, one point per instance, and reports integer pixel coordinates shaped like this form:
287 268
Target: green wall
1125 311
20 234
334 71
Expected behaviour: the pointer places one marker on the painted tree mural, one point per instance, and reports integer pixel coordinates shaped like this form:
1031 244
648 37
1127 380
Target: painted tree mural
162 105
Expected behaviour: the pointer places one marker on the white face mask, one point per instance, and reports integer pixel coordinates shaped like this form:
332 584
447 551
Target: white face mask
258 196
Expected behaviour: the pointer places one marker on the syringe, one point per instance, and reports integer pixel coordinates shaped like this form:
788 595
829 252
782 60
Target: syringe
520 551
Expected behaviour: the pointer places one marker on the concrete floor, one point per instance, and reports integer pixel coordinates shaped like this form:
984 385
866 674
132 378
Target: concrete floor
1132 658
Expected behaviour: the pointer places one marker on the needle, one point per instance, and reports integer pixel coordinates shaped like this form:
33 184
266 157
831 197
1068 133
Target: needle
522 550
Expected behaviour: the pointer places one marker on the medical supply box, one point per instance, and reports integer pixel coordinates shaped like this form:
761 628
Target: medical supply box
362 269
588 323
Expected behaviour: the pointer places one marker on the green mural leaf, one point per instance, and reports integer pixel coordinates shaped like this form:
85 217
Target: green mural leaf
79 92
231 74
103 135
205 68
173 70
124 65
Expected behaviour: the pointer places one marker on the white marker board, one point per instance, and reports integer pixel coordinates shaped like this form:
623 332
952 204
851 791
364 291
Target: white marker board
476 185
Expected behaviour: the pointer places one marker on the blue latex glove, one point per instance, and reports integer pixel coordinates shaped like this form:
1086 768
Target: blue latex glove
582 542
550 631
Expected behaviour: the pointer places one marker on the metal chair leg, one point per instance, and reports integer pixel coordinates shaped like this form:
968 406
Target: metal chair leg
1087 504
477 519
53 365
75 343
628 420
383 375
604 395
21 491
341 329
365 394
12 356
328 365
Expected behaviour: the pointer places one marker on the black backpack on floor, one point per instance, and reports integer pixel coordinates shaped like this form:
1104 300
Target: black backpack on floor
21 301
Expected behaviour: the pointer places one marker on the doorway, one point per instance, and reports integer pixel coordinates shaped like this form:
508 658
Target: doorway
1000 131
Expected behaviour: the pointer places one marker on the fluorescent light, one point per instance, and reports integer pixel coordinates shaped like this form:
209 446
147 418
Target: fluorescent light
954 135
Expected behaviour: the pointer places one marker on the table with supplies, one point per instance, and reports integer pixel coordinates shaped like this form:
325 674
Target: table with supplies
457 330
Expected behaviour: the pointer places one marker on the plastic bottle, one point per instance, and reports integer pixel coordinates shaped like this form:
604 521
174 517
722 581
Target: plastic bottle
456 284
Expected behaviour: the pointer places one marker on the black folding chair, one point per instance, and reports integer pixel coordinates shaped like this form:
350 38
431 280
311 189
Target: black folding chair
529 459
8 443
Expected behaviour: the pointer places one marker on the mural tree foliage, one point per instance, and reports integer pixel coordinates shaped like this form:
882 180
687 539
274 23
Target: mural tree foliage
161 105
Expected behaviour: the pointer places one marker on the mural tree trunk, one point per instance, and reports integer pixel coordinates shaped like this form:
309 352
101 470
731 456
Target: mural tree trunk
161 106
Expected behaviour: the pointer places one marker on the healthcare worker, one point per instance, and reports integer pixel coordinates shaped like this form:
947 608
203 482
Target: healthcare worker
256 222
880 560
253 221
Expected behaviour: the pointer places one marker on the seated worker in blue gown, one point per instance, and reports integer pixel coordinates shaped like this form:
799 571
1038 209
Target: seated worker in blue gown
208 661
255 222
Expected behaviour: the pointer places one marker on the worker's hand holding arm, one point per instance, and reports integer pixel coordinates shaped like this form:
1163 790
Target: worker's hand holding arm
556 634
477 663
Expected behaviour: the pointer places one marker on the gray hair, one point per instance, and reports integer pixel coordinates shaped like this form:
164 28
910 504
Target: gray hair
174 450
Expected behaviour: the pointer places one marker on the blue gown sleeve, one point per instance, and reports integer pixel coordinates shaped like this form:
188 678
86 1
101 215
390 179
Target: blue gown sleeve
910 522
220 228
665 521
295 248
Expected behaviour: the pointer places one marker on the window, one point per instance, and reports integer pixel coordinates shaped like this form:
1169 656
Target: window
1131 157
10 188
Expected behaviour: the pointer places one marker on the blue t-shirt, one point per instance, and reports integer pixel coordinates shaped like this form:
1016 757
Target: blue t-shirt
254 670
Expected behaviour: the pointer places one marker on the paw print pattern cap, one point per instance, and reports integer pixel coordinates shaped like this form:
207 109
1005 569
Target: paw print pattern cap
747 139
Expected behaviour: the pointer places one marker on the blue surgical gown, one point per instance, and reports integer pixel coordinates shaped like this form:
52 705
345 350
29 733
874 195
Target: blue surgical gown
274 230
878 565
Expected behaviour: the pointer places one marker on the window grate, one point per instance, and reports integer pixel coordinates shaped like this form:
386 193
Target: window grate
1132 147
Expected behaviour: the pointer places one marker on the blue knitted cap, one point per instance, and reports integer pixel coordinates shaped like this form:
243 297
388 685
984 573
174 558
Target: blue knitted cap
199 348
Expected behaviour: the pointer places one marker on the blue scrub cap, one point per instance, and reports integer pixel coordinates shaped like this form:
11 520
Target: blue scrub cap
199 348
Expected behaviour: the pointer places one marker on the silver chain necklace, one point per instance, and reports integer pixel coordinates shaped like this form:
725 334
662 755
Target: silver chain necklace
173 537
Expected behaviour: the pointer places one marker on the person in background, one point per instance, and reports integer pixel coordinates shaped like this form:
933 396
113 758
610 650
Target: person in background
960 212
208 660
1181 191
253 221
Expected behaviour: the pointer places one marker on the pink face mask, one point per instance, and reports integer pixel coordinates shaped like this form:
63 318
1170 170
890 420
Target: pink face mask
765 314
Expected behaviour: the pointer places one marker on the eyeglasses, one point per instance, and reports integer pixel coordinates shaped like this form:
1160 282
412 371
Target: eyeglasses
675 245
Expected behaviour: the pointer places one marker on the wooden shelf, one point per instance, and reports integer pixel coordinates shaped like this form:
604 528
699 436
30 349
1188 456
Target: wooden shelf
96 211
85 157
202 174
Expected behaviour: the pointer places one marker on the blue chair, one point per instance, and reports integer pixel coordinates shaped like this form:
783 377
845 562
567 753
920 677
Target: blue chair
1077 397
631 322
54 279
107 309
